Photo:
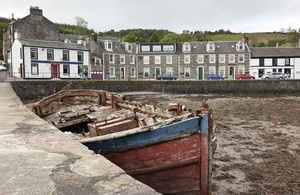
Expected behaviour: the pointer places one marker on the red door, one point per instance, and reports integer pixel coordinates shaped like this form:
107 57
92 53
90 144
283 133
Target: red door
54 70
21 71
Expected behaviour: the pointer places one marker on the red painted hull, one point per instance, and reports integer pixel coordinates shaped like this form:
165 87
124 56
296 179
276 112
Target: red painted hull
172 167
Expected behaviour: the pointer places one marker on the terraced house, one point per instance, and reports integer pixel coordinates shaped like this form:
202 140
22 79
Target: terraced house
193 61
187 61
276 59
112 59
33 49
198 59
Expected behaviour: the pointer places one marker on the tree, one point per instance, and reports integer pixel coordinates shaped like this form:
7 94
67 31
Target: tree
171 37
80 22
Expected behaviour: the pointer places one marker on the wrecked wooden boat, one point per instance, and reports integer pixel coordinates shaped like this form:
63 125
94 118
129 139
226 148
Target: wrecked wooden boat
170 150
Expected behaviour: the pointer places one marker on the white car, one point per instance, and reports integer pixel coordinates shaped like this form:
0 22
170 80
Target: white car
275 75
3 67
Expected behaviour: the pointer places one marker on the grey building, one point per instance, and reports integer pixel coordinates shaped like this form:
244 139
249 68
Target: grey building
34 26
112 59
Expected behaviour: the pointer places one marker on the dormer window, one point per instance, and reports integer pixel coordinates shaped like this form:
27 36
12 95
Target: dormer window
186 47
67 40
128 47
210 47
108 45
240 46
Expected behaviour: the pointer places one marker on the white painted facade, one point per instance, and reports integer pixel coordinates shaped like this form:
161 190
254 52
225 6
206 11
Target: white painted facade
33 59
293 69
265 60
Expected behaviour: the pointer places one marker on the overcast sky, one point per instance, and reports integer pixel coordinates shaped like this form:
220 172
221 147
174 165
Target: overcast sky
173 15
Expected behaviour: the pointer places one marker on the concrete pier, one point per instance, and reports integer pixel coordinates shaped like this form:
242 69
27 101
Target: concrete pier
36 158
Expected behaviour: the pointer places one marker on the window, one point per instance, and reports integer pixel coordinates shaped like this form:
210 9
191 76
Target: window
34 53
146 72
168 48
241 69
241 58
212 69
156 47
108 45
169 59
200 59
50 54
169 71
122 59
222 58
34 69
187 72
287 61
186 59
210 47
65 55
66 69
186 47
157 59
145 48
240 46
21 53
146 59
97 61
80 56
128 47
231 58
222 71
132 72
112 72
131 59
212 58
111 58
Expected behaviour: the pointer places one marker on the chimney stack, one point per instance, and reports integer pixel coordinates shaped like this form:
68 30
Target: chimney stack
35 11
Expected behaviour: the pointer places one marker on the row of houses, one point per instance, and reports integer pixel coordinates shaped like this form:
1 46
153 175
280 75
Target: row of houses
33 48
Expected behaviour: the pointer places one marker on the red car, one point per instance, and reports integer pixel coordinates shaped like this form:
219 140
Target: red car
244 76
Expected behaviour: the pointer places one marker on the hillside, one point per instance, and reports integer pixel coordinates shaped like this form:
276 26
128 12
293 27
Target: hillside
267 39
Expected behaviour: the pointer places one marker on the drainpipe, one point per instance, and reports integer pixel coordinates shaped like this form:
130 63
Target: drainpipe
103 67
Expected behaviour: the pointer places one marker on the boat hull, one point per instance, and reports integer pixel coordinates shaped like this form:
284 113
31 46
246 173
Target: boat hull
172 159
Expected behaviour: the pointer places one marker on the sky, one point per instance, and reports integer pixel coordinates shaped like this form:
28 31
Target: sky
238 16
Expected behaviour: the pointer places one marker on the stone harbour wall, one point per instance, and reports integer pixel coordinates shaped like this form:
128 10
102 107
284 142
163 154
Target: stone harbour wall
34 90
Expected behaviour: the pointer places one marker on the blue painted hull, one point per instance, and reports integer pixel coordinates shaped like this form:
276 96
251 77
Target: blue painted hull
146 138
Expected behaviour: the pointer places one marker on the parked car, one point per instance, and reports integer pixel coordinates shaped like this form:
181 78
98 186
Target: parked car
244 76
275 75
165 77
214 77
3 67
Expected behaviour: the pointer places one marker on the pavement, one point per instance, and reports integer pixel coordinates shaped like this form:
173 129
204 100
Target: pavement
38 159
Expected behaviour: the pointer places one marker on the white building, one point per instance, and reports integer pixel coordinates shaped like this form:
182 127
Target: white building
275 59
35 59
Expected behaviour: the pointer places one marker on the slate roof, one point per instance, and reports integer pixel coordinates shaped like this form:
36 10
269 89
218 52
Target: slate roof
265 52
72 38
117 46
221 47
52 44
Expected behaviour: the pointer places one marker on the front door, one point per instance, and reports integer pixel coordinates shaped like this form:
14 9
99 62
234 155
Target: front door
122 73
157 71
200 73
54 70
261 72
231 72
